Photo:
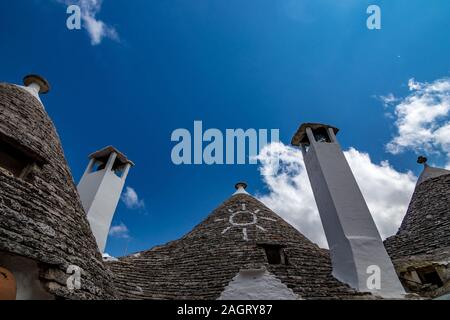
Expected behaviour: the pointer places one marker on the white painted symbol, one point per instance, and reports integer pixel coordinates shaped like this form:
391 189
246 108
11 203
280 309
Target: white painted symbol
268 219
244 232
244 225
261 228
237 224
225 230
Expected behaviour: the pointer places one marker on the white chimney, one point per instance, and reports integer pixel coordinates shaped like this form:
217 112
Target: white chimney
357 251
100 189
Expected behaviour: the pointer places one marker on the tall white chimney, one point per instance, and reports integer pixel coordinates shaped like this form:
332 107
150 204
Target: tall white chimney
100 189
357 251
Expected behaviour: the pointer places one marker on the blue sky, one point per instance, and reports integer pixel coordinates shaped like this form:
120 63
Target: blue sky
232 64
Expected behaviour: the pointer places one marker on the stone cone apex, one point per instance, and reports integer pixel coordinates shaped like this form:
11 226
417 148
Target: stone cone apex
429 172
425 227
241 234
240 188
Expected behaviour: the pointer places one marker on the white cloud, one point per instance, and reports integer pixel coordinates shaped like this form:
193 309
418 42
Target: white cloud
131 199
423 119
119 231
387 191
413 85
96 28
388 100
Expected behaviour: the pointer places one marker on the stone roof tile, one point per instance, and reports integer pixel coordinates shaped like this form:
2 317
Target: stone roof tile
203 262
41 217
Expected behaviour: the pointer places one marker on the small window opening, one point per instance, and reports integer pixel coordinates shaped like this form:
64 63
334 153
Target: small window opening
98 166
321 135
275 254
305 141
430 275
118 168
14 160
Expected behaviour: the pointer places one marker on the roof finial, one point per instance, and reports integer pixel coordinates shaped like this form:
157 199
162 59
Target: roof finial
422 160
240 187
240 184
40 84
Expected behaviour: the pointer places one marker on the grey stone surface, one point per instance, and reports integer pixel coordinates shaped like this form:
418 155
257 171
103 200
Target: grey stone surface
41 216
203 262
423 239
426 225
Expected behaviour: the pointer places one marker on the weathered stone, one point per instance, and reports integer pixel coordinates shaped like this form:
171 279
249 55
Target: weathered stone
418 233
203 262
423 239
41 216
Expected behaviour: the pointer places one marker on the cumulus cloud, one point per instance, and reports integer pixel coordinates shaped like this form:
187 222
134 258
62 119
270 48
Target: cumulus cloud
387 191
97 29
131 199
422 119
388 100
119 231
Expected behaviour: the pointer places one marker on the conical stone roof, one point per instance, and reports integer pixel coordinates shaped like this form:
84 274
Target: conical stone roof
425 227
41 217
231 239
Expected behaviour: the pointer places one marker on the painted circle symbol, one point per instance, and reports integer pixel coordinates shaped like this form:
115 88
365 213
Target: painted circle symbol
254 217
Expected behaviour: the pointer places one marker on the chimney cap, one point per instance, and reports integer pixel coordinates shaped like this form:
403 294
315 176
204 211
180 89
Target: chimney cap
300 136
40 81
105 152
